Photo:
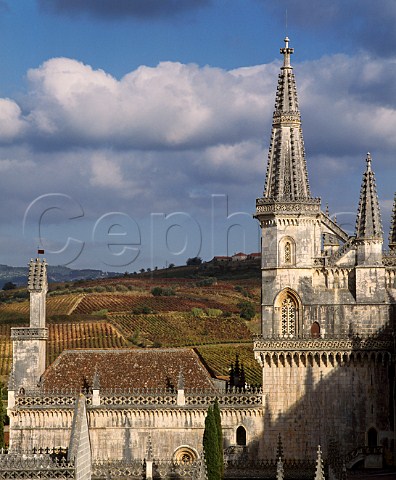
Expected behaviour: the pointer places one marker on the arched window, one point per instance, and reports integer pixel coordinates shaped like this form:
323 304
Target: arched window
288 310
372 437
288 317
241 436
315 330
287 252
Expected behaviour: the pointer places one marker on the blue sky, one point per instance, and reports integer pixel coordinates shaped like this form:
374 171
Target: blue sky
144 124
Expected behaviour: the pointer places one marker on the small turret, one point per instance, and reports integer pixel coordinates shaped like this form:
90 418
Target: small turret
29 344
37 287
369 234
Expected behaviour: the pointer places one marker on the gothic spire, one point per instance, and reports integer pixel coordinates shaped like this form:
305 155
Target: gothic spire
287 177
392 233
368 222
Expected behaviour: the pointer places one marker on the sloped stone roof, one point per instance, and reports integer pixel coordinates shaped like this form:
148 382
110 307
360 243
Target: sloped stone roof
129 368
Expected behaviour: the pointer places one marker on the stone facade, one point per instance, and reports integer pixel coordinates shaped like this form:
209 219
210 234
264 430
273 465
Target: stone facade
328 305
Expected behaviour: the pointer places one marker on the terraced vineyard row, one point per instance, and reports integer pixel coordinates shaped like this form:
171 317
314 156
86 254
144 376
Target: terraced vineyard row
180 329
220 357
5 350
66 336
56 305
124 303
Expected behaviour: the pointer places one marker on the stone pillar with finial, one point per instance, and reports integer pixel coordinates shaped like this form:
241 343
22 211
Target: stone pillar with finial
319 473
279 469
181 399
95 389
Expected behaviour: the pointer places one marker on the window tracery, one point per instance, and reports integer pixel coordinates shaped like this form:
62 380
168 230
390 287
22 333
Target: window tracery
288 317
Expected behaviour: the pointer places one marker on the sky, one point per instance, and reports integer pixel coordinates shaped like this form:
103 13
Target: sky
135 133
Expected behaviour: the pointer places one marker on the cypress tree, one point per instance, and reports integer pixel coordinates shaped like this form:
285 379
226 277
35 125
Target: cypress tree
211 447
217 417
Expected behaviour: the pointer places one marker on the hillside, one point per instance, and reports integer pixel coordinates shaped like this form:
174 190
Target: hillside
177 307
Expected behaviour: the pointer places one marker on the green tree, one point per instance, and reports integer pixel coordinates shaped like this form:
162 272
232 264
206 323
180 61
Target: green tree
246 310
211 447
217 417
194 261
9 286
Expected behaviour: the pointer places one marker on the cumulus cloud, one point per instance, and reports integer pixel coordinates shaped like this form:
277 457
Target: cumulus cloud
11 122
167 138
120 8
172 106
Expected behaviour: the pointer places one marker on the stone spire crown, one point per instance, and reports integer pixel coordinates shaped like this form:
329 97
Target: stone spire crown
37 277
392 233
287 177
368 222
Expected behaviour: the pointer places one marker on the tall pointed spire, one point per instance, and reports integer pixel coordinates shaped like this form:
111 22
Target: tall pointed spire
287 177
392 233
368 222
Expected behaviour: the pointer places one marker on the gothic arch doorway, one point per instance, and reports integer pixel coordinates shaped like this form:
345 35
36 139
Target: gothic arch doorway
241 436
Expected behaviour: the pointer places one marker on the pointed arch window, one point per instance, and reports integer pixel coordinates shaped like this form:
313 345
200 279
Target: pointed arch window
287 252
288 317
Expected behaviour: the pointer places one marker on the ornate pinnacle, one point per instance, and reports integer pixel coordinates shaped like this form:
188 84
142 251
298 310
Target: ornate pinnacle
37 278
319 474
279 469
286 52
368 222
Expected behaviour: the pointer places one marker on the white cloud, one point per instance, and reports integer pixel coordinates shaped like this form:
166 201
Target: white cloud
165 138
11 121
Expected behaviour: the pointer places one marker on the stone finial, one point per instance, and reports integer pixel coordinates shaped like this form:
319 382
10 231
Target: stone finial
392 233
180 381
37 277
279 469
319 473
286 52
368 221
95 380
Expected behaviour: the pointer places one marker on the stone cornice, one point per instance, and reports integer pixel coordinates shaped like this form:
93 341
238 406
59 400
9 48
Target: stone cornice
29 333
321 344
310 206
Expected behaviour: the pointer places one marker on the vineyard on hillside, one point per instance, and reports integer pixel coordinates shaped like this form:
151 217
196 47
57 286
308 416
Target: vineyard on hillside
180 329
66 336
114 302
124 313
